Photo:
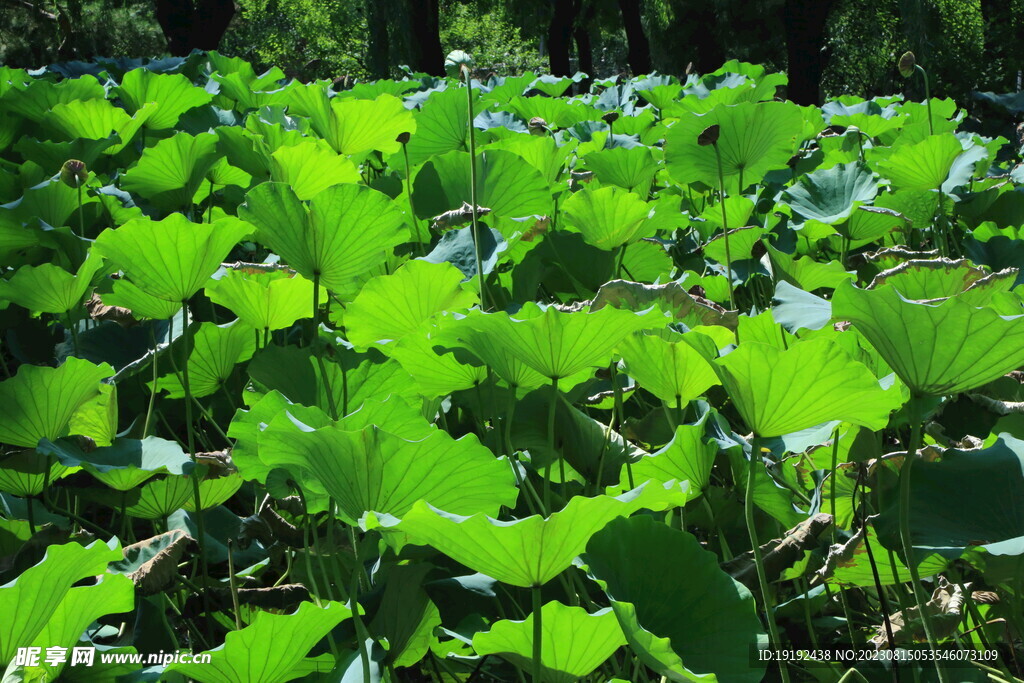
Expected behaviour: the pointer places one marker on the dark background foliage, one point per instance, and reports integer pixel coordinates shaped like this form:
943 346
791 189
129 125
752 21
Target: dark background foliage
829 47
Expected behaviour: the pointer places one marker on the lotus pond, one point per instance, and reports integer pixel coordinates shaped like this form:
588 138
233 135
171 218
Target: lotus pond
477 379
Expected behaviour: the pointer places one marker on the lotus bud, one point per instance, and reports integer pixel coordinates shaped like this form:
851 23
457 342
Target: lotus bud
611 117
537 126
403 138
708 136
73 173
457 63
906 64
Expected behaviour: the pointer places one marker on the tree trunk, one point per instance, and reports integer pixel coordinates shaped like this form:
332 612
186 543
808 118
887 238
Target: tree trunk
584 47
378 47
639 55
424 20
191 26
805 36
560 32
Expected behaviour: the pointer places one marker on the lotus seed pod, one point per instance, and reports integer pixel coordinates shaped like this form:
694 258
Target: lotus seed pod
403 138
73 173
708 136
611 117
457 62
906 64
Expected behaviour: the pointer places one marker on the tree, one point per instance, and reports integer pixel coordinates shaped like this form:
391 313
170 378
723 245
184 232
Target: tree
804 22
639 56
560 32
193 24
424 19
378 44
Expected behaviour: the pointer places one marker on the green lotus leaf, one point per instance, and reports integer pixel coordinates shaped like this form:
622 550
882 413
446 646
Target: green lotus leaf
48 288
988 487
213 492
871 223
345 232
353 126
489 349
39 96
173 258
557 344
631 168
687 457
741 244
51 202
532 551
391 306
310 168
141 304
40 402
169 173
703 628
754 138
174 95
737 214
924 165
371 470
272 649
936 349
215 352
573 644
263 300
157 499
506 184
607 217
554 111
24 472
37 602
543 153
805 272
675 372
922 280
811 382
831 195
438 372
441 125
95 120
126 463
873 125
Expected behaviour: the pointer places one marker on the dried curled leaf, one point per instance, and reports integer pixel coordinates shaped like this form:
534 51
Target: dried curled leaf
780 553
155 560
944 608
457 217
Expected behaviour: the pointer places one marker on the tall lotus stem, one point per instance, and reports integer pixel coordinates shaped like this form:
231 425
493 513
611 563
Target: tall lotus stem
709 136
538 635
318 349
762 578
907 66
74 174
908 544
464 69
404 140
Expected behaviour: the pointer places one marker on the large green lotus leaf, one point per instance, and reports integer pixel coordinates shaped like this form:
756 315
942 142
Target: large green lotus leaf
675 371
871 223
631 168
39 96
169 173
40 402
442 125
391 306
32 600
358 126
486 347
607 217
557 344
935 349
701 627
805 272
555 111
263 300
157 499
543 153
90 119
142 305
126 463
171 259
754 138
922 280
371 470
436 370
48 288
968 499
174 94
213 492
272 649
506 184
849 564
310 168
741 244
532 551
810 383
832 194
215 352
24 473
924 165
51 202
687 457
573 643
346 231
873 125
